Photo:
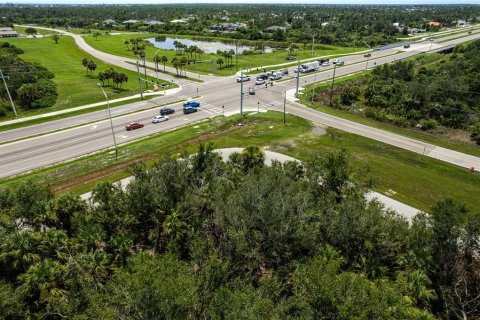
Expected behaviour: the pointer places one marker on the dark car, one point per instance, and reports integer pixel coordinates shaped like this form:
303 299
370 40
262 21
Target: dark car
406 46
367 55
166 111
191 104
188 110
262 76
133 126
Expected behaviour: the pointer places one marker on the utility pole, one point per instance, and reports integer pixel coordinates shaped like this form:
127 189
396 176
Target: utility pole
111 123
236 55
8 92
241 93
333 82
313 45
298 79
213 75
313 90
284 106
139 81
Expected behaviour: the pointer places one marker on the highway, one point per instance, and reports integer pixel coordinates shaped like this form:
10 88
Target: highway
80 138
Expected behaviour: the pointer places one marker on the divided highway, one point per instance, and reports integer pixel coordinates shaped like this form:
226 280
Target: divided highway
27 154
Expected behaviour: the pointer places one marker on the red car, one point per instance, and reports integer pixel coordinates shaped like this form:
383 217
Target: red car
133 126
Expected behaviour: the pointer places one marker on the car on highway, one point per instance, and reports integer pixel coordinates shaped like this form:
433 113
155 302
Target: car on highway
133 126
245 78
275 76
469 32
251 90
340 63
291 58
259 81
367 55
165 111
191 104
262 76
325 64
406 46
188 110
158 119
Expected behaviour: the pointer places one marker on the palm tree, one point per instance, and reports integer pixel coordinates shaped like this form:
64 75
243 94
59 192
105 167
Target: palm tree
127 43
164 60
252 156
220 62
184 62
175 44
19 250
175 64
156 59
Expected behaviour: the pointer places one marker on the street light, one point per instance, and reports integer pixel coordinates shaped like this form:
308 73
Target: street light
369 54
156 64
111 123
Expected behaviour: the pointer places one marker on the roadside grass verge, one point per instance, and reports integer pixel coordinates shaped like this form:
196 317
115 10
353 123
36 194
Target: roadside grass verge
74 86
115 45
417 180
160 70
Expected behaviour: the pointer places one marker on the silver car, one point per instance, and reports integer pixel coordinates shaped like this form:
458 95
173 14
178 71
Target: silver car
259 81
158 119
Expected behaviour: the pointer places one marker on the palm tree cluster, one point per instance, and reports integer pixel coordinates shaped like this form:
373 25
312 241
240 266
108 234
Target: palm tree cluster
118 78
89 64
227 55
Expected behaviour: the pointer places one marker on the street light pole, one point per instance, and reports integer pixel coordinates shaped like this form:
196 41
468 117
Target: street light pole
111 123
298 79
8 92
368 57
140 80
241 93
333 82
314 80
284 106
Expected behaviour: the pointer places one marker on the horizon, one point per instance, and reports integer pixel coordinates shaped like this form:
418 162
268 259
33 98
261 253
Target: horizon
291 2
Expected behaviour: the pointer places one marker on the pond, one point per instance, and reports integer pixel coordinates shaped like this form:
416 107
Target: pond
206 46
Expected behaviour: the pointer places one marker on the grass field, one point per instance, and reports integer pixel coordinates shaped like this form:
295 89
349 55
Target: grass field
419 181
115 44
74 86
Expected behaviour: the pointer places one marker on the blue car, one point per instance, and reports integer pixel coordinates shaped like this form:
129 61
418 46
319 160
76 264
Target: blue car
191 104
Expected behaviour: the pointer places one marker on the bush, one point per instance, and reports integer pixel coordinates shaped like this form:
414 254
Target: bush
428 124
41 94
475 135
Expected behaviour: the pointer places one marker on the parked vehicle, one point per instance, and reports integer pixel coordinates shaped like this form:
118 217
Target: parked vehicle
188 110
245 78
191 104
165 111
406 46
259 81
133 126
367 55
251 90
309 67
291 58
326 64
158 119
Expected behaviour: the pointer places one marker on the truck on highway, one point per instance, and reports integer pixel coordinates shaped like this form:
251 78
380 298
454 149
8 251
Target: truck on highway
309 67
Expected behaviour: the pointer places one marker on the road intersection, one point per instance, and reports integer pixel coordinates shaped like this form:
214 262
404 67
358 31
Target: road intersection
80 135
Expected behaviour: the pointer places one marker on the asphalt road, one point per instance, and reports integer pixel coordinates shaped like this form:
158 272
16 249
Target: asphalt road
24 155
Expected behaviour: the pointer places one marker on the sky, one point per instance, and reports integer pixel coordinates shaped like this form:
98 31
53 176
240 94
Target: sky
247 1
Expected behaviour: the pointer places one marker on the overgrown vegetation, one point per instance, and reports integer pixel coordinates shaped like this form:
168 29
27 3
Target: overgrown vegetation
200 238
440 92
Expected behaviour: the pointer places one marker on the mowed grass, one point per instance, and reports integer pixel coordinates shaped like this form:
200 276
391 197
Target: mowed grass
417 180
74 86
114 44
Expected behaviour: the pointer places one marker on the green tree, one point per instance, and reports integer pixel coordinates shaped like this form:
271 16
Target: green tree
56 37
31 31
220 62
41 94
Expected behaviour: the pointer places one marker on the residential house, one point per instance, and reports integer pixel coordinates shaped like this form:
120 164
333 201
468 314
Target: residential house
7 32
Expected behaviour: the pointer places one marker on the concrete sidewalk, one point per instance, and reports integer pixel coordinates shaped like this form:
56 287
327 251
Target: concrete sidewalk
50 114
